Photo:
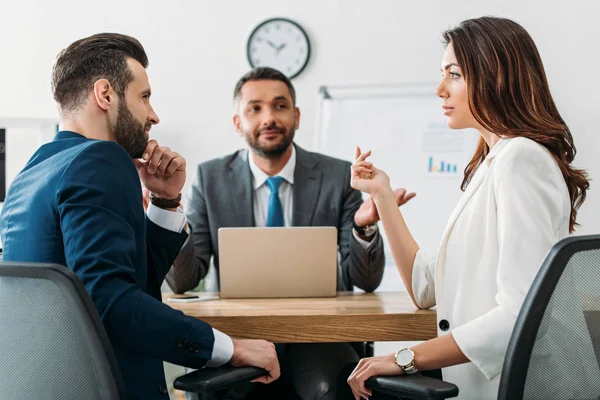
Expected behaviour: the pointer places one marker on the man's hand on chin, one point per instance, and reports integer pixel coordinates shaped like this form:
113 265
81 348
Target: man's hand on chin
162 171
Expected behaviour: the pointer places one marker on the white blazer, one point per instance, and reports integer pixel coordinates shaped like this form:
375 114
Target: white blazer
514 210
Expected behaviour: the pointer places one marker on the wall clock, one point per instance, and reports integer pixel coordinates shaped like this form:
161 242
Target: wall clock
281 44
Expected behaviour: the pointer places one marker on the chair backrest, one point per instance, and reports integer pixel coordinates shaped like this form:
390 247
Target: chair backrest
554 351
52 342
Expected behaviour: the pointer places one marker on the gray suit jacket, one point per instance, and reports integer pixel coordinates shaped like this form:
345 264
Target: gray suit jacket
222 196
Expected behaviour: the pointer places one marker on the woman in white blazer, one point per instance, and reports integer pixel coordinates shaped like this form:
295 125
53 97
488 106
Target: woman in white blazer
521 196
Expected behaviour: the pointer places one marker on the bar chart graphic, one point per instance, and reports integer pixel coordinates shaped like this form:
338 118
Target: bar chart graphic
441 167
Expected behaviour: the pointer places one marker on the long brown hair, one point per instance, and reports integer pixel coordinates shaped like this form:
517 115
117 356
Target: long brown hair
509 95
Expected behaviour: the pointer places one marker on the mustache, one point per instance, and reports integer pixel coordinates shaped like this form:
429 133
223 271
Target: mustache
273 127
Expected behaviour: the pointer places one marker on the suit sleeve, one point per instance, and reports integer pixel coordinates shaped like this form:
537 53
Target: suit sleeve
531 198
163 238
99 203
423 280
193 261
363 266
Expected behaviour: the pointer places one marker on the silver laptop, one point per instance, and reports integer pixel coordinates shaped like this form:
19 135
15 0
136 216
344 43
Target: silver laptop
278 262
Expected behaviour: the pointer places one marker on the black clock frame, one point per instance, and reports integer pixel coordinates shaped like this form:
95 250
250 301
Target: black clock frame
308 52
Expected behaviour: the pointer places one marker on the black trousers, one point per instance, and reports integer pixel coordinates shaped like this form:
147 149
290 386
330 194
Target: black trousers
309 371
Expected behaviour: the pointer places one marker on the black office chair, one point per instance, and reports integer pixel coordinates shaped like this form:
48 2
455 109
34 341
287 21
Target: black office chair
52 343
554 350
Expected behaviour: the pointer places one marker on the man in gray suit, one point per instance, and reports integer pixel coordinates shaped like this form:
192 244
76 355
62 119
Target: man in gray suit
277 183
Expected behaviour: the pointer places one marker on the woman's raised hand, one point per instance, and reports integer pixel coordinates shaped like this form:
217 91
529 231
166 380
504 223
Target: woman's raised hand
365 177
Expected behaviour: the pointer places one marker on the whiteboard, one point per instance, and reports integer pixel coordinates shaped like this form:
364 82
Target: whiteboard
404 126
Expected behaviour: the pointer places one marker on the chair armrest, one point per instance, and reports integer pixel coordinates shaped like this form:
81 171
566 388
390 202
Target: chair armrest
414 386
208 380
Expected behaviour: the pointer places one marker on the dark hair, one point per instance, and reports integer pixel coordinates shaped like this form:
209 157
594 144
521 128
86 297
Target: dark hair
101 56
264 74
509 95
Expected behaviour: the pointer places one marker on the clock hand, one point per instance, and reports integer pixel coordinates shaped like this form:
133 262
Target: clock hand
281 46
272 44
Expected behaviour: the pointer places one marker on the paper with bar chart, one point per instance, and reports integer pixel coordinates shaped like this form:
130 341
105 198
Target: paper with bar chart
445 153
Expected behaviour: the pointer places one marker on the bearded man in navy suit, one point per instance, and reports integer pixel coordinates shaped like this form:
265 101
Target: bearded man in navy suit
78 202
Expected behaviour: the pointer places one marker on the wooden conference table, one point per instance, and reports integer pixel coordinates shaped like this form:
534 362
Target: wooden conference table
349 317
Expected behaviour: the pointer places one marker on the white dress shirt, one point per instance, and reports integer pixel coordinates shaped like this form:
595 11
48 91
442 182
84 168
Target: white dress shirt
175 221
262 192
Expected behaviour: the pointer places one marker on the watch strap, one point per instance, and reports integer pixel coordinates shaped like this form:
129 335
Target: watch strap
410 369
363 230
359 229
165 203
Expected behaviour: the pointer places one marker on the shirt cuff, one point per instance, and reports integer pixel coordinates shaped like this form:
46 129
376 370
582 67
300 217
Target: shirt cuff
363 243
222 349
169 220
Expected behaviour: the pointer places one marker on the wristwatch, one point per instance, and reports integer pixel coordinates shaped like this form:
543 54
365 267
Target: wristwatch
165 203
405 359
367 231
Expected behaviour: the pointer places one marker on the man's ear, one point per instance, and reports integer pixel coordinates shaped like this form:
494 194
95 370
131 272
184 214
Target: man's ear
104 95
297 112
237 122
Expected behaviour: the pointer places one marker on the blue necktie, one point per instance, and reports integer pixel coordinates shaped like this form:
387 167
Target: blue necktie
275 214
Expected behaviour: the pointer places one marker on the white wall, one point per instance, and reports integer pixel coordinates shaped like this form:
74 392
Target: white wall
197 52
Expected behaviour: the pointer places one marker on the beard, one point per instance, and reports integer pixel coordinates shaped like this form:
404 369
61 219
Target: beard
129 132
271 150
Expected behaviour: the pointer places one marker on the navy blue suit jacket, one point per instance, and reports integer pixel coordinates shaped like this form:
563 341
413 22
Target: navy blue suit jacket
78 203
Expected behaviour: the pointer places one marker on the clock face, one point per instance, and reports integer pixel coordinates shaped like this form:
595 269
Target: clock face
281 44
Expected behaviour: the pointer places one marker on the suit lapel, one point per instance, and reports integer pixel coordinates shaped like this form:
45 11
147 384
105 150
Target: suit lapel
307 185
239 179
477 180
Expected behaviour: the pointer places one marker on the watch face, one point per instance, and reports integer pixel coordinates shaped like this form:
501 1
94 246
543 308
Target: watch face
370 230
404 357
281 44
